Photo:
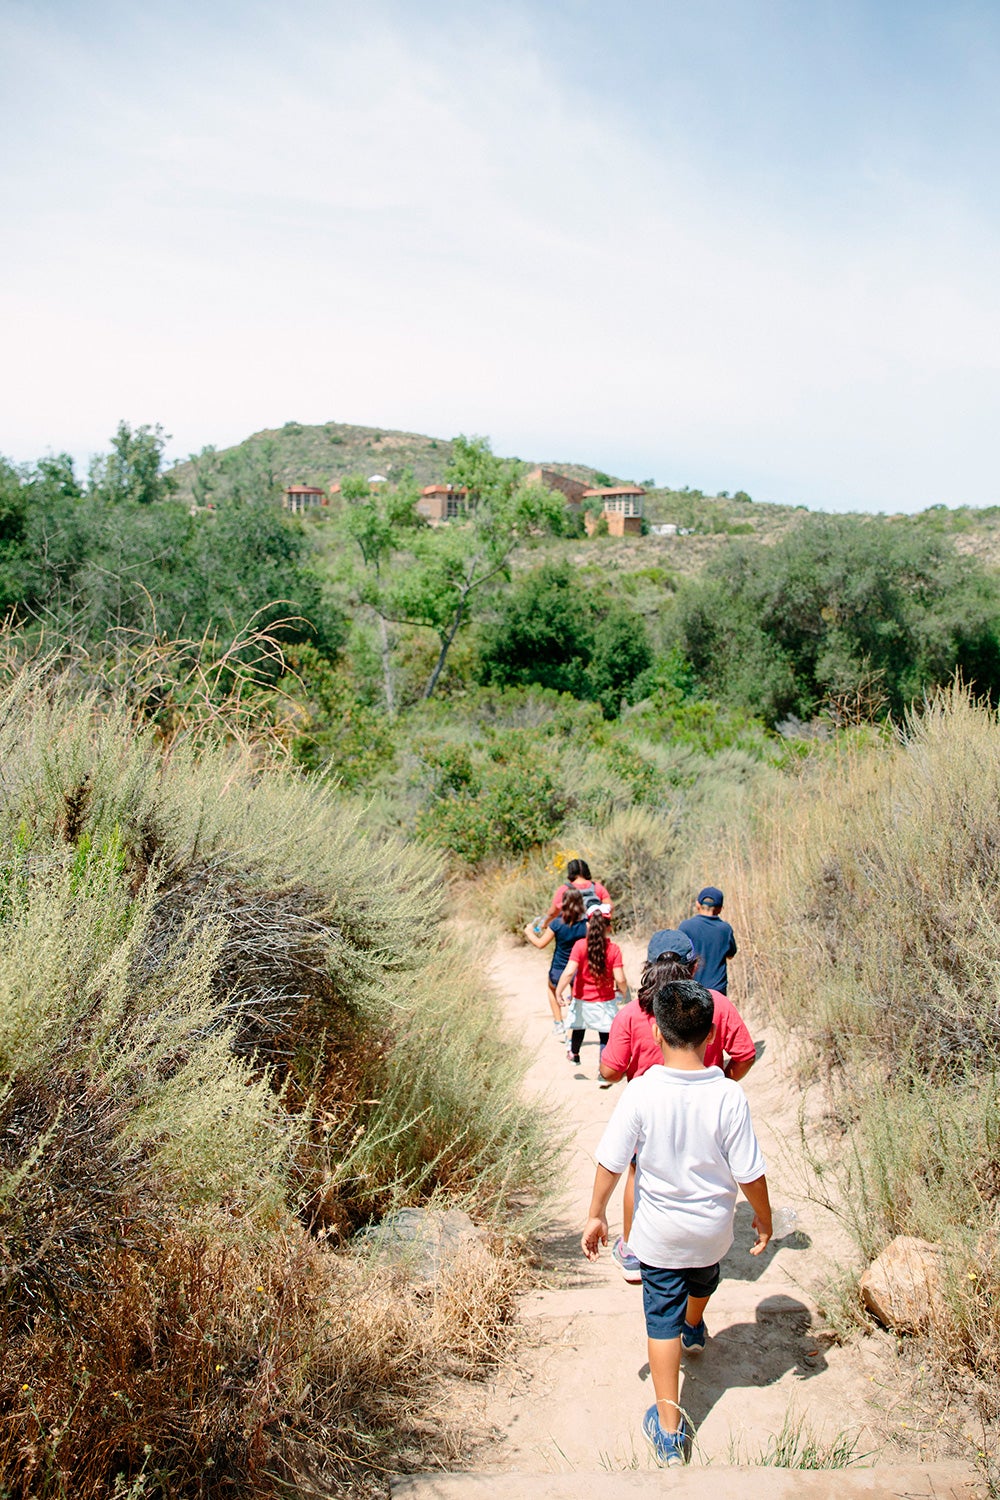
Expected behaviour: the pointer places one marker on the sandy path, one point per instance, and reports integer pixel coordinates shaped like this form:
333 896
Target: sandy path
577 1394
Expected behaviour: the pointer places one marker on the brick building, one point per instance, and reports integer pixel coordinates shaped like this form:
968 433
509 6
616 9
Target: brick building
299 497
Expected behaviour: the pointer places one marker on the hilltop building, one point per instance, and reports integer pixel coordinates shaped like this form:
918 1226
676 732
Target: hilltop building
573 489
440 502
622 509
299 497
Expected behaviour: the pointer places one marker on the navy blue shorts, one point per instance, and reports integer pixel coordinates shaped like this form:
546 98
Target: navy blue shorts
665 1292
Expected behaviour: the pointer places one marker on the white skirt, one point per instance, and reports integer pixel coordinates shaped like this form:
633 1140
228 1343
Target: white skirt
591 1015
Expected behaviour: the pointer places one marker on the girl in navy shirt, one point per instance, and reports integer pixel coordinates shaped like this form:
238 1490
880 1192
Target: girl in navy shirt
564 930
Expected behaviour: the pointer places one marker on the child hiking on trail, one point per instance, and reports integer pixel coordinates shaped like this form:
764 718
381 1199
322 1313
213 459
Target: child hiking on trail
596 972
578 875
712 939
566 929
632 1048
691 1130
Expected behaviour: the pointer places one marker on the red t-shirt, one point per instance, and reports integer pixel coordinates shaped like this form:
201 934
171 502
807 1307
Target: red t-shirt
588 986
631 1048
581 885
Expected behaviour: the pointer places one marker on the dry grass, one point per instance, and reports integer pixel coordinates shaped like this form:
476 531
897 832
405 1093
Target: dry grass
867 899
227 1016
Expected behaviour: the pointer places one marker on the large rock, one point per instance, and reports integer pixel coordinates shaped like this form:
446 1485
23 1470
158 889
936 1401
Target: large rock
904 1286
425 1241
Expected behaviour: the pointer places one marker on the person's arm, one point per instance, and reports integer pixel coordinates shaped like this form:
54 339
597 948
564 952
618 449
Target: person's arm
557 896
732 950
737 1043
621 983
757 1196
738 1067
539 939
596 1230
565 979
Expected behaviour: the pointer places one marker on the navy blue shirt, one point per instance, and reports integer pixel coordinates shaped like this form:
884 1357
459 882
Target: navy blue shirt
713 942
567 933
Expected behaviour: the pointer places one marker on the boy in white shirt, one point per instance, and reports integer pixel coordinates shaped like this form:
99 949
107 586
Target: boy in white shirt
690 1129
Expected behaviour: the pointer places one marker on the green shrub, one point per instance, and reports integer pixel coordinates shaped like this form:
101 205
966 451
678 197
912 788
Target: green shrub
503 807
636 854
226 1014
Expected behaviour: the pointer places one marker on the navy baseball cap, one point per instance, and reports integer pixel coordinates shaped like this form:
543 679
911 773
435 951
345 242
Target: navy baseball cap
669 940
710 896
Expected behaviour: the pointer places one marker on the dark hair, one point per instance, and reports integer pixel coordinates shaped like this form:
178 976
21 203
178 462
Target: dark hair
571 910
575 869
684 1011
597 943
666 969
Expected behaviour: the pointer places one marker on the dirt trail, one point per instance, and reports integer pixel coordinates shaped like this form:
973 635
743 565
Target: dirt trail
572 1400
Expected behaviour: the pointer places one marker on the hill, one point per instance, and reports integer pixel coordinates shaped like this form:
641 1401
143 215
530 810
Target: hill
321 454
297 453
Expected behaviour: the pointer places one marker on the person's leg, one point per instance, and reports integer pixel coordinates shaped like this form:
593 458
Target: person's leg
665 1371
628 1207
700 1283
554 1005
695 1311
576 1041
602 1037
664 1300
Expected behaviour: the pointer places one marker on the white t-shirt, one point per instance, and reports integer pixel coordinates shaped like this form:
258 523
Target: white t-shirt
695 1143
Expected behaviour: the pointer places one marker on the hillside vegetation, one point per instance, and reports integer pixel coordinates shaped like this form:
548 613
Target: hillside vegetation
250 762
232 1030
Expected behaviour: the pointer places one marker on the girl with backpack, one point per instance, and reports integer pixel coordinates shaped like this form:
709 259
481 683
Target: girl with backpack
566 930
596 972
578 875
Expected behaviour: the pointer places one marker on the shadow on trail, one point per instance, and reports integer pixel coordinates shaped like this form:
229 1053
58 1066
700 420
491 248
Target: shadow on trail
739 1264
561 1253
750 1355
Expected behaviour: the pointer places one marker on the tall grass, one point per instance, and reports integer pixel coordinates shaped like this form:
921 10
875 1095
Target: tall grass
868 900
228 1018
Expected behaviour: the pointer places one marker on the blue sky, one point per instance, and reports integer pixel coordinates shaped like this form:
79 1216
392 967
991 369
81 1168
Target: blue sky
732 245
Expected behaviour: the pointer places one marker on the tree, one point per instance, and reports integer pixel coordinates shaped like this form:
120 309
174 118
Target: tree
453 566
131 472
377 521
542 633
552 631
839 604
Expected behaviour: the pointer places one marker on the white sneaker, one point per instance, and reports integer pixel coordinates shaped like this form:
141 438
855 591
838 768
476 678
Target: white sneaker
559 1031
626 1262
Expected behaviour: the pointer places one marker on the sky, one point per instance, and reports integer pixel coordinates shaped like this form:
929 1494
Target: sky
739 244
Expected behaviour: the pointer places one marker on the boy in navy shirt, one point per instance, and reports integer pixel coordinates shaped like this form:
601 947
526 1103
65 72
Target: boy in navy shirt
711 938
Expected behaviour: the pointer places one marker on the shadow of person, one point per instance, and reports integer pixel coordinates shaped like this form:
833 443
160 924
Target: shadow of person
739 1264
561 1254
781 1339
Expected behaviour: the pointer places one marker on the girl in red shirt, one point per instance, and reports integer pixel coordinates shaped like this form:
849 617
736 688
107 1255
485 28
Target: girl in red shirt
597 974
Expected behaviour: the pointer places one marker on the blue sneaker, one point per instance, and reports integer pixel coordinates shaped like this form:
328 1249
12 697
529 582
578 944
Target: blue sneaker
693 1339
668 1447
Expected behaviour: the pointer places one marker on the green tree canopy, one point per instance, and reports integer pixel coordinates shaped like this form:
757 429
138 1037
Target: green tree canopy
449 568
132 471
552 631
839 603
